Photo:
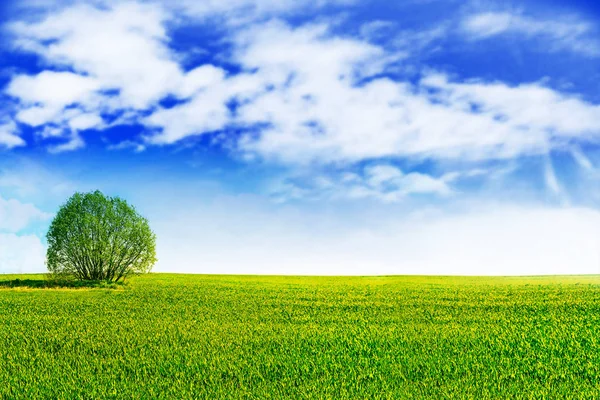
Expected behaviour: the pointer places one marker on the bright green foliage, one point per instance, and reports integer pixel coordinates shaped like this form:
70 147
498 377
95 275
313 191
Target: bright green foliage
233 337
95 237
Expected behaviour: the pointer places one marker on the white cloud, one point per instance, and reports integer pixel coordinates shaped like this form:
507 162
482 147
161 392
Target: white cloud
201 78
52 89
565 34
21 254
378 175
120 60
47 99
15 216
391 184
75 142
85 121
205 112
298 64
309 91
36 115
9 136
531 108
316 112
303 88
383 182
122 48
488 24
415 182
377 29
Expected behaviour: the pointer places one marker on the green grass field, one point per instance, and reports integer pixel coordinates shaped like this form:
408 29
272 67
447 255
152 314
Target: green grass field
197 336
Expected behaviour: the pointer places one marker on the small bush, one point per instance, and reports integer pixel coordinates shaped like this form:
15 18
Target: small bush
98 238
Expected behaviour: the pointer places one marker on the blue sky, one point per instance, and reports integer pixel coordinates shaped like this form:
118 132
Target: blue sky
302 137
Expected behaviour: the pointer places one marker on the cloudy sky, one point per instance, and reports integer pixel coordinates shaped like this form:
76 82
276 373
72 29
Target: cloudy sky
310 137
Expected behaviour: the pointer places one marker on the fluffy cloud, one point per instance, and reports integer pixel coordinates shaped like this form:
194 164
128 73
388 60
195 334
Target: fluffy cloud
516 119
283 59
15 216
120 48
302 94
383 182
9 137
319 110
205 112
21 254
120 61
565 34
53 90
46 98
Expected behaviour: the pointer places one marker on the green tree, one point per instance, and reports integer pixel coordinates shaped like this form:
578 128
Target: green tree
96 237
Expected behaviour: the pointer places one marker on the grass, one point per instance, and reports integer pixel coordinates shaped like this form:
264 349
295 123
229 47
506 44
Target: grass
198 336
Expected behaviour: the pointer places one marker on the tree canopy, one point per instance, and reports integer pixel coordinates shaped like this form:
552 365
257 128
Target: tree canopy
96 237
